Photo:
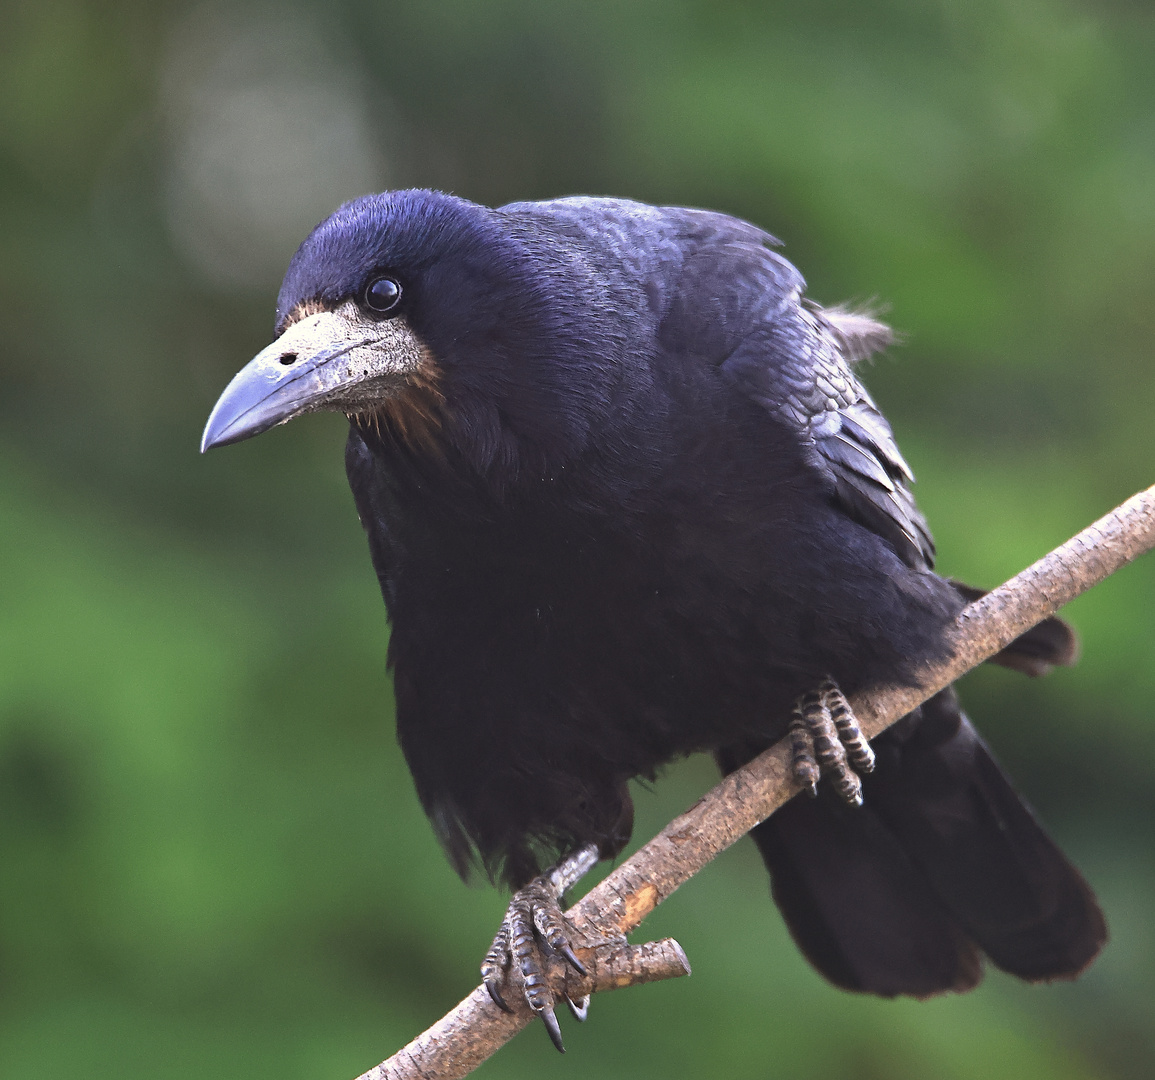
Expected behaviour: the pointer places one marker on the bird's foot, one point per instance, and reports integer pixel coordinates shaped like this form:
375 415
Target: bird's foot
827 741
534 927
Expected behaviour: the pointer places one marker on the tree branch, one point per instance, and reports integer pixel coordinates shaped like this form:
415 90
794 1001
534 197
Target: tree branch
475 1029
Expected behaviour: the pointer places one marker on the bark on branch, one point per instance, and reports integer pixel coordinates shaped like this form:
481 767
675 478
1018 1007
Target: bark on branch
476 1028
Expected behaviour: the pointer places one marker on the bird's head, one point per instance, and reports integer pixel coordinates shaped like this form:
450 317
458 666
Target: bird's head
445 319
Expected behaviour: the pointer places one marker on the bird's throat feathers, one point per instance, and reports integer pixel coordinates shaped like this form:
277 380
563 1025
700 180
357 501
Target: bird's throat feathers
415 418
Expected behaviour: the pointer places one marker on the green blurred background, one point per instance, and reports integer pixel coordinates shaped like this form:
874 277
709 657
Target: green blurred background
211 858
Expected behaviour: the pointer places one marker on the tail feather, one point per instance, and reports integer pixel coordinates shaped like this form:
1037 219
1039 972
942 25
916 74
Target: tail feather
856 905
943 861
952 808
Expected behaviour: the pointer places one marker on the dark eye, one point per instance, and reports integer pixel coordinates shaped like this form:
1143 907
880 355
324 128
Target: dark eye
382 294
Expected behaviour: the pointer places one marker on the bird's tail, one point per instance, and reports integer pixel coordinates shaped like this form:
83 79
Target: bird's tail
943 863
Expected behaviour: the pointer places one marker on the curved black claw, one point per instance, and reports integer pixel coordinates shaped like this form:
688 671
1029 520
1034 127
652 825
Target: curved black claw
495 995
553 1027
826 740
533 927
574 962
579 1008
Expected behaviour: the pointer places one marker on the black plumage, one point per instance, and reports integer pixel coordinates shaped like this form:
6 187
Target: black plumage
627 500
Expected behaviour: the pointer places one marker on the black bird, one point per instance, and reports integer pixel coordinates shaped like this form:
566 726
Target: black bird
627 500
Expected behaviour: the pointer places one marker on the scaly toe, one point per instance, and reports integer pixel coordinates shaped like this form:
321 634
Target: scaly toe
858 750
825 740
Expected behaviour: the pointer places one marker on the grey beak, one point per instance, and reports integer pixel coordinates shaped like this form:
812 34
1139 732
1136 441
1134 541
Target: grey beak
337 360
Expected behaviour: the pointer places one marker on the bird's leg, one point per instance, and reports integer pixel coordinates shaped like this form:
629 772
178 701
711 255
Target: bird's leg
825 740
534 921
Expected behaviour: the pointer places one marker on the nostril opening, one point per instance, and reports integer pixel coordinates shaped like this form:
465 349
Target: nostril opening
288 358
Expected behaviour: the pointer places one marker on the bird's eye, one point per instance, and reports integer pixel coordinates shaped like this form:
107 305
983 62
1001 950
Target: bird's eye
382 294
